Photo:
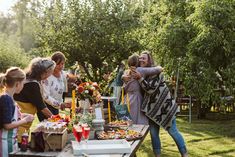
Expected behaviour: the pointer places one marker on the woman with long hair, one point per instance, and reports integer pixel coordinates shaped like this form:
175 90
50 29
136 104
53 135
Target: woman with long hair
133 90
159 107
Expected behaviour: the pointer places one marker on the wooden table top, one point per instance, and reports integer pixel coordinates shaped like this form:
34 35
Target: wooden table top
67 151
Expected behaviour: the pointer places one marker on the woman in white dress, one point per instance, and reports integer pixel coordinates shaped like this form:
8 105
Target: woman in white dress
54 87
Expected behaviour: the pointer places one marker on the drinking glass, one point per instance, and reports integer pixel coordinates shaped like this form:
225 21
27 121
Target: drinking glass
86 133
77 132
84 125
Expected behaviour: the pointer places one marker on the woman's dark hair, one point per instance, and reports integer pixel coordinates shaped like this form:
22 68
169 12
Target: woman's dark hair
39 66
150 58
133 60
58 57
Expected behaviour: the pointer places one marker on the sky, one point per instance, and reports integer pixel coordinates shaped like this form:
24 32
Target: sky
5 5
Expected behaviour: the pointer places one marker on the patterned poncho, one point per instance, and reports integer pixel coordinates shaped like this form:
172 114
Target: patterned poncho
158 103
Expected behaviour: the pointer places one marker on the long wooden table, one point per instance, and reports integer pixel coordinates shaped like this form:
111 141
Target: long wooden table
67 151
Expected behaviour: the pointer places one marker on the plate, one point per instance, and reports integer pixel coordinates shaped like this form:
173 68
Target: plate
119 124
101 147
129 135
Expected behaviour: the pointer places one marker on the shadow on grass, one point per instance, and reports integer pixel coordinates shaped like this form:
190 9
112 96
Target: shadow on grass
203 139
224 152
214 128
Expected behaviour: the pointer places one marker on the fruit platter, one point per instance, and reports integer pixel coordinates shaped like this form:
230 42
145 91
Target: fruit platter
59 118
129 135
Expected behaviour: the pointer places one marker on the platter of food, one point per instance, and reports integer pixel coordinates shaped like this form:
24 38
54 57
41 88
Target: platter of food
129 135
119 124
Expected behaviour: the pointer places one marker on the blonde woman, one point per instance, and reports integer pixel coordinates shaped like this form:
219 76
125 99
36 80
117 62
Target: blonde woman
10 118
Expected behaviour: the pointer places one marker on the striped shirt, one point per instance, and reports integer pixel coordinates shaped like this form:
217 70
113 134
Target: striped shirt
9 114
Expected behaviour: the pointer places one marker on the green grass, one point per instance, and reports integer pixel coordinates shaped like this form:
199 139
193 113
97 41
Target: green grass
203 138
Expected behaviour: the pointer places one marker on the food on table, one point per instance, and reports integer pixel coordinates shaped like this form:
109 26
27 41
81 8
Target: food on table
47 126
119 134
59 118
119 123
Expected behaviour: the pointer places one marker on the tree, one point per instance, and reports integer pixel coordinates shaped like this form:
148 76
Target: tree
213 43
7 25
24 23
11 54
195 36
91 32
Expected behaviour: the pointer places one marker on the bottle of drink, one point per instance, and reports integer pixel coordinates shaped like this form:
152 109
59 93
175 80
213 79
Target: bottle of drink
24 141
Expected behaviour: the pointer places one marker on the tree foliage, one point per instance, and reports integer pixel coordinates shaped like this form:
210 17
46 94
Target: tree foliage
11 54
213 43
91 32
194 36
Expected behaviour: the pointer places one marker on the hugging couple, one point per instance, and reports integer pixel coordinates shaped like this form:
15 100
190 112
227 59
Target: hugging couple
151 101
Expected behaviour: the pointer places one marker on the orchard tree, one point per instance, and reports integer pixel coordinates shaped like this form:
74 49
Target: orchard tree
197 37
11 53
213 43
91 32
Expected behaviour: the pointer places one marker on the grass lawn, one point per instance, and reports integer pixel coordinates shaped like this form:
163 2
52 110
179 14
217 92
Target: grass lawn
203 138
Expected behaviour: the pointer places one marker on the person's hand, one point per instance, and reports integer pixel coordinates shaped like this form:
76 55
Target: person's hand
136 75
133 68
24 115
126 78
28 118
68 104
62 106
106 77
160 68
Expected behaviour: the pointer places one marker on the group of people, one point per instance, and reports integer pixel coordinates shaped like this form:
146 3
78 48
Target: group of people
37 90
151 101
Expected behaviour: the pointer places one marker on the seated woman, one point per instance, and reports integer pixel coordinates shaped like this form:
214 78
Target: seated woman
30 99
133 89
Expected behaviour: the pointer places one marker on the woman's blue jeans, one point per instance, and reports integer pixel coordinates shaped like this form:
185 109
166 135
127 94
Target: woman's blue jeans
173 131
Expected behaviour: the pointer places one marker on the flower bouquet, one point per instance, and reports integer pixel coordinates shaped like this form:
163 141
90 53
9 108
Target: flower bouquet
84 118
89 90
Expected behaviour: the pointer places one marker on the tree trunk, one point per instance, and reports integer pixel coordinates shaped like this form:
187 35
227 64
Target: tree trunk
201 110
